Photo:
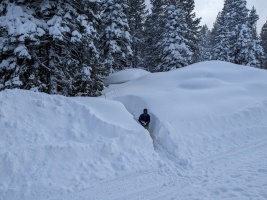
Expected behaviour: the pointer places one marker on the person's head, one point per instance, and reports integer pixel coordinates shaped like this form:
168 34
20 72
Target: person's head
145 111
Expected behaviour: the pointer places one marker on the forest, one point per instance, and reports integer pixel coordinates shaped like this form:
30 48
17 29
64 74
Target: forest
68 47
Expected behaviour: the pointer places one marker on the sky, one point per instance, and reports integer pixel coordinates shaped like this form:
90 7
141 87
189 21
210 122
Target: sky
208 10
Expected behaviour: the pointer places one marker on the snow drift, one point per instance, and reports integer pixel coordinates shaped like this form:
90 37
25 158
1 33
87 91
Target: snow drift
199 110
125 76
208 123
57 143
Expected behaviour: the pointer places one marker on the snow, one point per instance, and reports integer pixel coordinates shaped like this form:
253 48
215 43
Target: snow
20 23
59 143
22 52
207 138
125 76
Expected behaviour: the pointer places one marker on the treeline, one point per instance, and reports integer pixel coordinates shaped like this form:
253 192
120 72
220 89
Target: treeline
67 47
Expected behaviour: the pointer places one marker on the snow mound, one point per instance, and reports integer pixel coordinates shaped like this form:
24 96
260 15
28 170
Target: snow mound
199 110
125 76
66 144
208 123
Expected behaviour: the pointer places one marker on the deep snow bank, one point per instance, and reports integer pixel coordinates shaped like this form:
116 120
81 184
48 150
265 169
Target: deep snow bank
53 143
199 110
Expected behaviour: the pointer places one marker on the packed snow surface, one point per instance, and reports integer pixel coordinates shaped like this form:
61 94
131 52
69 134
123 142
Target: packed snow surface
207 138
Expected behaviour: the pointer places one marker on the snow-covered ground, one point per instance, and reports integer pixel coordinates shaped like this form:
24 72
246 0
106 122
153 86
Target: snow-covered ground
207 138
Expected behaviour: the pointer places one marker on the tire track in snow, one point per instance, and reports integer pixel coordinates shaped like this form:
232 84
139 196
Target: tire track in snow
243 150
234 172
157 187
141 185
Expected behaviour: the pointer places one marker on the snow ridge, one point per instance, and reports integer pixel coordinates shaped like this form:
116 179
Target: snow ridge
47 139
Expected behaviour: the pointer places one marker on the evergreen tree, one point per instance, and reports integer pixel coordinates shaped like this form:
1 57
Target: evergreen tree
214 31
193 26
204 44
53 48
90 71
221 36
234 36
246 49
115 37
21 35
154 28
247 53
264 42
137 13
175 52
72 56
252 22
242 34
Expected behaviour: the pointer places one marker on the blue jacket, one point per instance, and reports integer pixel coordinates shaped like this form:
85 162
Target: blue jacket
145 118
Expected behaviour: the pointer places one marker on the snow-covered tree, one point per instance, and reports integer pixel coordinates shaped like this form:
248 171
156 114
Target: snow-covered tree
175 52
234 40
154 28
221 37
204 44
157 31
246 49
115 37
49 46
21 35
247 53
85 37
193 26
264 42
137 13
73 56
252 22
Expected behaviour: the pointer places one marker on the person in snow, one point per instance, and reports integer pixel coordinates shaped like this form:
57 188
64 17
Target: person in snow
144 119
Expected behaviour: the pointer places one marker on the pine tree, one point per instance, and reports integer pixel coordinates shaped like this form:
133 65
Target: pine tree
234 36
205 44
246 49
193 26
90 71
256 47
21 35
252 22
115 37
53 47
247 54
214 30
242 34
175 52
264 42
137 13
154 28
221 35
71 58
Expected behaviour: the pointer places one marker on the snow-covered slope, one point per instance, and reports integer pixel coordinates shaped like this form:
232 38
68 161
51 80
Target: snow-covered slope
208 138
54 143
200 110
